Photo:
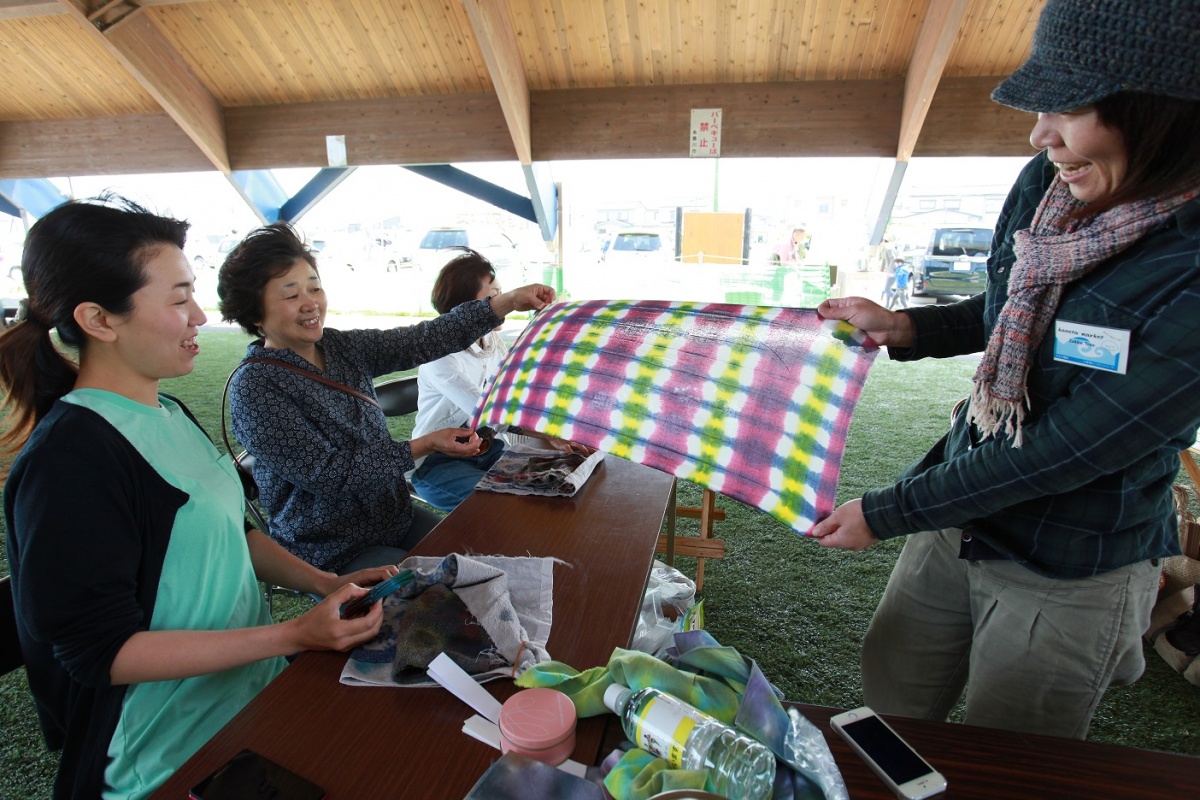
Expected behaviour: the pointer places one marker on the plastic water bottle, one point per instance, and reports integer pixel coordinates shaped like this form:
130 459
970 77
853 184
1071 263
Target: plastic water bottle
740 767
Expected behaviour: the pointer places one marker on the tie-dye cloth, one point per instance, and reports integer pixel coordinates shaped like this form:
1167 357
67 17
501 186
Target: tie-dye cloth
749 401
720 682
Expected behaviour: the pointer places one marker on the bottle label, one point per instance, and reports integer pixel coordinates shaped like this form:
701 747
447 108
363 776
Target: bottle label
664 726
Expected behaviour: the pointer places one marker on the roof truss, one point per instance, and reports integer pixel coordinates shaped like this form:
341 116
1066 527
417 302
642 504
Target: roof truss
118 86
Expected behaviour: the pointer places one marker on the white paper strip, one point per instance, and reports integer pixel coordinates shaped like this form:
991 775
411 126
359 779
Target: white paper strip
450 675
479 728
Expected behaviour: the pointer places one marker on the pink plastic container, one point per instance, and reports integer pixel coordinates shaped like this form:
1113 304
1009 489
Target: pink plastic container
540 724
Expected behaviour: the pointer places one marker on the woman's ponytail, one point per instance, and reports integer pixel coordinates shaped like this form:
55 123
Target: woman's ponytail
34 375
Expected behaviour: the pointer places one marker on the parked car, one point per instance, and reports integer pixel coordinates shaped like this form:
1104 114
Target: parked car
10 259
954 263
208 252
388 253
496 246
632 246
12 282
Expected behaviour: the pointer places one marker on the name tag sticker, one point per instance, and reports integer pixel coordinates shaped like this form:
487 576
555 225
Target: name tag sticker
1104 349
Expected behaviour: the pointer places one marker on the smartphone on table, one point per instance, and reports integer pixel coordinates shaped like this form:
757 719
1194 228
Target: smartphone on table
890 757
249 776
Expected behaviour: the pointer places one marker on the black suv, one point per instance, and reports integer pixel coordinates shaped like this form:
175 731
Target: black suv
955 263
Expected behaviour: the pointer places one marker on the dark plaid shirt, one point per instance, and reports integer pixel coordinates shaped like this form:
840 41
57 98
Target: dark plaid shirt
1089 489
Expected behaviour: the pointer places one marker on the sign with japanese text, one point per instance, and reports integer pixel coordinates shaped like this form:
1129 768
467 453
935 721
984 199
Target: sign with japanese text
335 150
706 133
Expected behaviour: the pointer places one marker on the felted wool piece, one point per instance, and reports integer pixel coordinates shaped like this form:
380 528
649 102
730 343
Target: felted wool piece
437 621
512 598
749 401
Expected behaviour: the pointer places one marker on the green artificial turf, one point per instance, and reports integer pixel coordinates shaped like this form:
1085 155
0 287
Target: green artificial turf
800 611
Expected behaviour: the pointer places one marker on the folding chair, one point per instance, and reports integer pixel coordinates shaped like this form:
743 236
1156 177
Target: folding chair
10 645
259 520
398 398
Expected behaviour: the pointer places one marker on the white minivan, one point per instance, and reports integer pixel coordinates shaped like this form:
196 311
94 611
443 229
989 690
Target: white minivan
493 244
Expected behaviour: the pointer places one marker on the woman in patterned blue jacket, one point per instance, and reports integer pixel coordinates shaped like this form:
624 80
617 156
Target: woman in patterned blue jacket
329 474
1038 522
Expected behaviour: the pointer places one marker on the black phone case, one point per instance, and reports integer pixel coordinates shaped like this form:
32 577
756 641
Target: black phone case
249 776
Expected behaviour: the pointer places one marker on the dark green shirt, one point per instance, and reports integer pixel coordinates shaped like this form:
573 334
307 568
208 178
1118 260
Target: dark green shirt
1089 489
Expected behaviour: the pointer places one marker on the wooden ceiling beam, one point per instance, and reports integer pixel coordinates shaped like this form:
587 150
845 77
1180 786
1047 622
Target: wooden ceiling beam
799 118
497 40
142 49
17 9
96 146
939 29
426 129
20 9
833 119
964 121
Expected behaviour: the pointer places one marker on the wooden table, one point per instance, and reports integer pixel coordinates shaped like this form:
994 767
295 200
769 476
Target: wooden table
986 763
368 742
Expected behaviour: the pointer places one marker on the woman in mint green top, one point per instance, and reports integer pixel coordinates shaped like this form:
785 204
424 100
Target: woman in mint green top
133 576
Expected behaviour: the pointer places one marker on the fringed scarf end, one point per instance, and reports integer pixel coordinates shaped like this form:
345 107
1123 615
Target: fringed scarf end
991 415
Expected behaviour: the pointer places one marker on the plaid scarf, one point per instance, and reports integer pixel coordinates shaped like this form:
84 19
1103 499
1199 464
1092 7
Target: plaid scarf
1053 252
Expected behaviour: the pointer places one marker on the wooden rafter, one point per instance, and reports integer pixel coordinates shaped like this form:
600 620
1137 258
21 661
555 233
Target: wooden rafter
934 41
17 9
141 48
408 83
498 41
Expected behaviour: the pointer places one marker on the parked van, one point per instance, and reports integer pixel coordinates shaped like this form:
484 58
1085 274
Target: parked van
633 246
436 248
954 263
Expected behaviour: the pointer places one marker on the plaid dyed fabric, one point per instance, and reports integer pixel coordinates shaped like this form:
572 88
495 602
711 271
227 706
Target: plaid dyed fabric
752 402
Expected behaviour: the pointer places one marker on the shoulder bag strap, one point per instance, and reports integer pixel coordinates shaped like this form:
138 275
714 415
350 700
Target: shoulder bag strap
341 387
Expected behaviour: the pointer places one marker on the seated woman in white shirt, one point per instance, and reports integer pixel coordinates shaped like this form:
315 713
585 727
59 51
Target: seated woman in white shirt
450 389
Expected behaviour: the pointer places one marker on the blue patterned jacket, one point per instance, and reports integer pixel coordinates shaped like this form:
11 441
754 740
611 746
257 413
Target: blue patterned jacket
329 474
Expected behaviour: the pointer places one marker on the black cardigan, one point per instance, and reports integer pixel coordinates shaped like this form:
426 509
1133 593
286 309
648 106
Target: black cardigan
85 577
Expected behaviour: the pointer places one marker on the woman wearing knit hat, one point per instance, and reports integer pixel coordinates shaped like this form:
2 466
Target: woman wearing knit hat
1036 525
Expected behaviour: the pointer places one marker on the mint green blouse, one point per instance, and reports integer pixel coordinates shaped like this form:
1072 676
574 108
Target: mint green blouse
207 583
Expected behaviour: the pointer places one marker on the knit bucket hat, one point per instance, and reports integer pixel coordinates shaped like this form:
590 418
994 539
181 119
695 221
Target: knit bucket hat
1086 50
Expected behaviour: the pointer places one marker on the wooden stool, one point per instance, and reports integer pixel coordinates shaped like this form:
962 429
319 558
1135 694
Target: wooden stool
701 548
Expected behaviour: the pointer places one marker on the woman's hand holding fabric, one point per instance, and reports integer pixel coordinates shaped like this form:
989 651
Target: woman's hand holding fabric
363 577
533 297
886 328
566 446
323 628
846 529
447 441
